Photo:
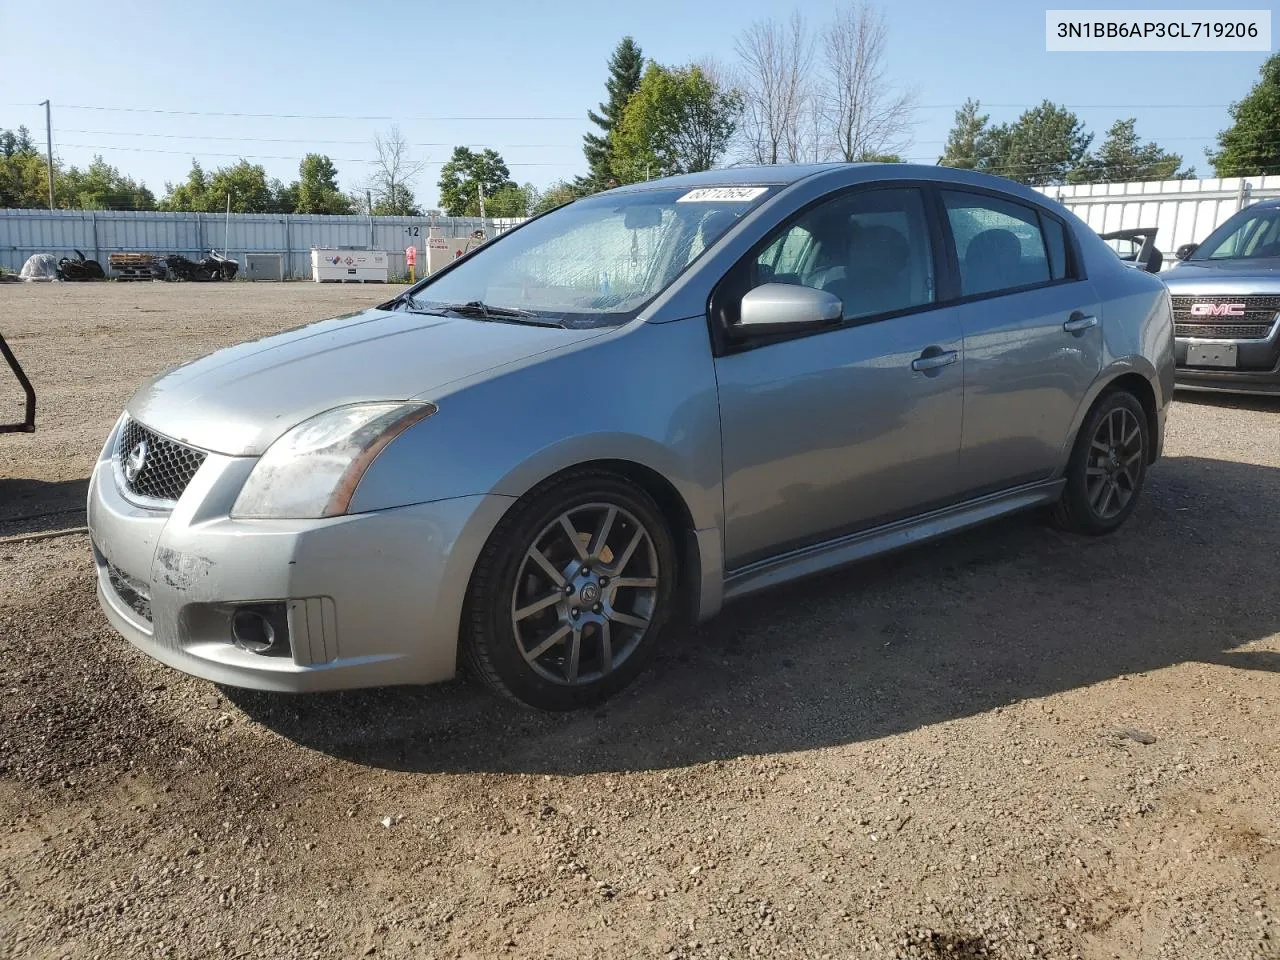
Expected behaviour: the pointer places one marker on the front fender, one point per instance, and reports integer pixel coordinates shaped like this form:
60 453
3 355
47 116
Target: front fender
645 395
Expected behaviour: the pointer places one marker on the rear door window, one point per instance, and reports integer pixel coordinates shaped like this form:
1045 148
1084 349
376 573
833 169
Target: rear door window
999 244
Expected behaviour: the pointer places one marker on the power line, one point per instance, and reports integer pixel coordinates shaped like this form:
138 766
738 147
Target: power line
296 116
576 117
363 142
1083 106
262 156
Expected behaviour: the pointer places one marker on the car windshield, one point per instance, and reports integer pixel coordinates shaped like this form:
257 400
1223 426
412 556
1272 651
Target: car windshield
1253 233
595 262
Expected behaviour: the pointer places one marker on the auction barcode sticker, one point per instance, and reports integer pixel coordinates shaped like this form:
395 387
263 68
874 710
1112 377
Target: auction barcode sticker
1157 30
722 194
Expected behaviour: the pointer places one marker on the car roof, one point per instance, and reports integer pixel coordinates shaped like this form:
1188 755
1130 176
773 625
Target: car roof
785 175
762 174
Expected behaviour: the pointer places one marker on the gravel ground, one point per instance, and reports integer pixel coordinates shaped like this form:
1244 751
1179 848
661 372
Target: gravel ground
1011 744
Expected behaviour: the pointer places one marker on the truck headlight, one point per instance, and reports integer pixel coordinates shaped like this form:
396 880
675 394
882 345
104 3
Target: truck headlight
313 469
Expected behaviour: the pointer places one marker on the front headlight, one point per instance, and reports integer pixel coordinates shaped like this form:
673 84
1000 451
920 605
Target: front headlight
313 470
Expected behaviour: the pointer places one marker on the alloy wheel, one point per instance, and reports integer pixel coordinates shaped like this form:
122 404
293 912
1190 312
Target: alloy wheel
1114 465
584 594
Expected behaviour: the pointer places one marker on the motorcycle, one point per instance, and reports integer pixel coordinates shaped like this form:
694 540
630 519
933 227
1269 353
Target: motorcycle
80 268
215 266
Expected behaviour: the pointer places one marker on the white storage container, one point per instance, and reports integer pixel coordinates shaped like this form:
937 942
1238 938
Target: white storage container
368 266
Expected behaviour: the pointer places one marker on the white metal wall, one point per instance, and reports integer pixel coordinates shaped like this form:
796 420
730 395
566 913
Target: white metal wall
1185 211
98 233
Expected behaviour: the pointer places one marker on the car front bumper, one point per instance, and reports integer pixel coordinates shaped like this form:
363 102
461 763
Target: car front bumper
1258 370
1229 381
367 600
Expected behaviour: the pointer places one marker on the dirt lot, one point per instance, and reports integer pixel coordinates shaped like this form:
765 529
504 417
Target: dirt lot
1012 744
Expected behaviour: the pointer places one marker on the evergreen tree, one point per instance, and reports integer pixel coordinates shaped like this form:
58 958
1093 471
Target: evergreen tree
1123 157
965 142
1044 145
1251 145
625 69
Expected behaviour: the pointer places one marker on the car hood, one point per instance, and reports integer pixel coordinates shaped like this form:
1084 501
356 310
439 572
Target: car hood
238 400
1224 277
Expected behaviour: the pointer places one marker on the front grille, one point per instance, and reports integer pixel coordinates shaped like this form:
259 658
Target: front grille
166 465
1259 313
1241 331
133 594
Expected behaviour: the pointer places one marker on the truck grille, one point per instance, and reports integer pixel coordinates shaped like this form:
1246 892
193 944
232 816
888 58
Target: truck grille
166 465
1238 331
1254 324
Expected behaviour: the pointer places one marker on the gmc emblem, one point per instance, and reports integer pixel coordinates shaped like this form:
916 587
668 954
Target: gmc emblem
1217 309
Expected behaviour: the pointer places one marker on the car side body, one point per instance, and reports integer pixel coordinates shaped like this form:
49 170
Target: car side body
769 458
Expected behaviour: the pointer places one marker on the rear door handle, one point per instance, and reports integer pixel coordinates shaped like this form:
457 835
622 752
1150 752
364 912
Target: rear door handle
933 358
1080 321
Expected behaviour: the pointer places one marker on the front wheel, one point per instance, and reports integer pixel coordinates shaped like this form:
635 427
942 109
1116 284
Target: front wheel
571 592
1107 468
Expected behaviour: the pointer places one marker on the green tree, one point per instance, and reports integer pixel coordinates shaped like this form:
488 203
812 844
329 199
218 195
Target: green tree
247 183
626 66
190 195
14 142
966 142
248 186
556 195
398 202
1251 145
101 186
316 190
678 121
511 201
1123 157
1044 145
879 158
24 180
466 173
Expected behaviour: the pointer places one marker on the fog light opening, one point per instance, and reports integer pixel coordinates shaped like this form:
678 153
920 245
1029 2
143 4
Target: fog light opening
252 631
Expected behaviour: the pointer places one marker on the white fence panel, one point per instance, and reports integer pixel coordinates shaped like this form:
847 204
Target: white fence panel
99 233
1184 211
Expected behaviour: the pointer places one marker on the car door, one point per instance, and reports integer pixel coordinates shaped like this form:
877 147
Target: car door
1032 337
833 431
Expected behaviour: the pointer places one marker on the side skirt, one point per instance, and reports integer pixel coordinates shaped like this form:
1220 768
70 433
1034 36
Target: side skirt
820 557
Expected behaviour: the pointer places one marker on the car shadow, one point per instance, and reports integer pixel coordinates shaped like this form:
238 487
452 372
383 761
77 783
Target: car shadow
38 506
1006 613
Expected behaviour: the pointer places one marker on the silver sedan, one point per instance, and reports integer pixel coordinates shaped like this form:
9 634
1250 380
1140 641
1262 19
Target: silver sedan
628 411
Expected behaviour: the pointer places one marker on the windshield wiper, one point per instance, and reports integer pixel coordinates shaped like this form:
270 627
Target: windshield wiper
479 310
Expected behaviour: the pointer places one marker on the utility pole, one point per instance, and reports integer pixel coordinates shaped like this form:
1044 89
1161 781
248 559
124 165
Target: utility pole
48 142
480 184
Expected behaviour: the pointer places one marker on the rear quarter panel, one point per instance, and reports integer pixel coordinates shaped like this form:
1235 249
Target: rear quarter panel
1137 325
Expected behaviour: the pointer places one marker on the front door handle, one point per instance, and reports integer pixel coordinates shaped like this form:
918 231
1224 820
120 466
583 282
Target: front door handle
934 358
1079 322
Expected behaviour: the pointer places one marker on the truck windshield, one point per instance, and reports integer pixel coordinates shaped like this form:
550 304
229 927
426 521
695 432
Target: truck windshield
1253 233
595 262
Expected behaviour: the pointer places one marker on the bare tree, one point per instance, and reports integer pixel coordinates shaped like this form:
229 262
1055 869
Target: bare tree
393 168
863 114
774 81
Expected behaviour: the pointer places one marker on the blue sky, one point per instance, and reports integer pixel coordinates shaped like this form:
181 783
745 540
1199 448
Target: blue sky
427 65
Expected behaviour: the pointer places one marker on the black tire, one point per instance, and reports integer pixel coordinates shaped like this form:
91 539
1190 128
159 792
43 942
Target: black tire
490 643
1087 506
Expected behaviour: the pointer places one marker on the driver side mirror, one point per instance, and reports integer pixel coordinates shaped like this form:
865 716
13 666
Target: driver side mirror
787 308
1186 250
